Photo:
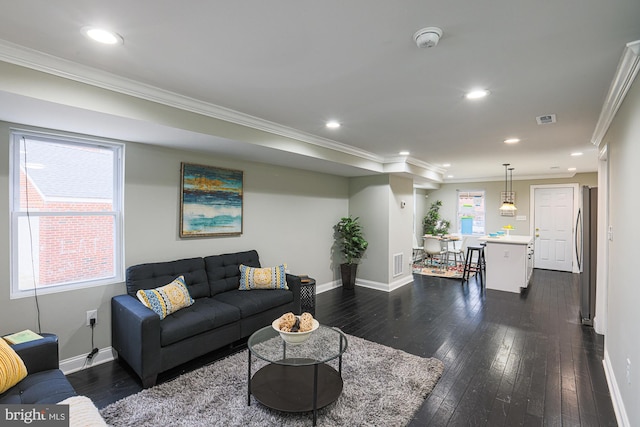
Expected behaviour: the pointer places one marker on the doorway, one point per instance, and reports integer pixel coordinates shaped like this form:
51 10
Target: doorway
554 210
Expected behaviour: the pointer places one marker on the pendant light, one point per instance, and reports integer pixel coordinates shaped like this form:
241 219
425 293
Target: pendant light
507 205
511 195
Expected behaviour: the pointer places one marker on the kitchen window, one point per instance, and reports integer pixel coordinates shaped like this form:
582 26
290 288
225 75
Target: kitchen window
471 213
66 213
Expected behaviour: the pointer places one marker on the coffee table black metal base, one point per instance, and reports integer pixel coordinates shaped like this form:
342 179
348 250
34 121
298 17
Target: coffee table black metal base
290 388
297 377
296 388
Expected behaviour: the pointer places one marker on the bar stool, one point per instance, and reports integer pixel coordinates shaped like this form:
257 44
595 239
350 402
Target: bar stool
479 267
484 260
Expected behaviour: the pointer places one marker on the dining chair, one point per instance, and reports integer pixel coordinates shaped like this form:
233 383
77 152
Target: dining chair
457 252
434 247
418 251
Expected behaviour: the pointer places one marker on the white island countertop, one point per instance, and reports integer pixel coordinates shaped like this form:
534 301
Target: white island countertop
509 240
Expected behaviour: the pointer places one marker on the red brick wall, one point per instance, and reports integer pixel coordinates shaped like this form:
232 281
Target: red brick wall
71 248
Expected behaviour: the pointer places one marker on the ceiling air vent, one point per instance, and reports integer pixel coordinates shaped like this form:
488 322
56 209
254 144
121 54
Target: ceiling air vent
545 120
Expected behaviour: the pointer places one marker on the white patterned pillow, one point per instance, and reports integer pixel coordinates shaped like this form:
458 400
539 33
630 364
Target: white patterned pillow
263 278
166 299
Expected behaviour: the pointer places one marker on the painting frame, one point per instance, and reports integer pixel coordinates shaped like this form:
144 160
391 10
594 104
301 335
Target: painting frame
211 201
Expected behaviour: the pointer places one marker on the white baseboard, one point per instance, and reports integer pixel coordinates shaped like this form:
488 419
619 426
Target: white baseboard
616 397
327 286
400 282
386 287
378 286
78 363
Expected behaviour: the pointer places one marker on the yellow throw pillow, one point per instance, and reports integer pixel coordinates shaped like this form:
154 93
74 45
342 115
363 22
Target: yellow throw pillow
12 369
263 278
166 299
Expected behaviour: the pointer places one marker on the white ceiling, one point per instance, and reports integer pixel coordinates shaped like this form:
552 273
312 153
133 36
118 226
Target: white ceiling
296 64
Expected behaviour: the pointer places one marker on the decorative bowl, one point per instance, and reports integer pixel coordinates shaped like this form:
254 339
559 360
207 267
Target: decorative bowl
294 338
493 234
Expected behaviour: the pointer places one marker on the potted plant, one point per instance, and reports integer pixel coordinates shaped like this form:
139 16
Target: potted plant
348 234
433 223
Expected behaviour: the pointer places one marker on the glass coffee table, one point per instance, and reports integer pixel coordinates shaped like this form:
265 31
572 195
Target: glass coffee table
297 377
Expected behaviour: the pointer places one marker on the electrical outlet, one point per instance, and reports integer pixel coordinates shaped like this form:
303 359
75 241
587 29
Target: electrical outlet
92 314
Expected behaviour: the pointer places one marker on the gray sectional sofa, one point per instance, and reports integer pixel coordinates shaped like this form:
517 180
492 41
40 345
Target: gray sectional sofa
220 315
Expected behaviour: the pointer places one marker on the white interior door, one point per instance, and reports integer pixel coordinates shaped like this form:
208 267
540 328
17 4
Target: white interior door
553 227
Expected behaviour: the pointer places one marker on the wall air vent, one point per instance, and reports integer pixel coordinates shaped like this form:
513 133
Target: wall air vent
398 264
546 119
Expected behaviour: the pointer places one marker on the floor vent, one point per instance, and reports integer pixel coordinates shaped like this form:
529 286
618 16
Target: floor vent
398 264
545 120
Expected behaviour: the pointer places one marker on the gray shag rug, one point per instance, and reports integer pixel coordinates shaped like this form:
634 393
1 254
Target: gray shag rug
382 387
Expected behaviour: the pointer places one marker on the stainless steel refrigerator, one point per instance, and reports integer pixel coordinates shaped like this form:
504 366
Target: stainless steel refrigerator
586 250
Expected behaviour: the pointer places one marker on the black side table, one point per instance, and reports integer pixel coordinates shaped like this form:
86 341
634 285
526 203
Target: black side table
308 297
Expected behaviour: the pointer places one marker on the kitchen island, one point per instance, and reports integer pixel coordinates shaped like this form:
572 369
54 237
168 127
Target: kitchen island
509 262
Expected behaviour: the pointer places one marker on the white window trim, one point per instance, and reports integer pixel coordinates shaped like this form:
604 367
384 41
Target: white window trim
118 210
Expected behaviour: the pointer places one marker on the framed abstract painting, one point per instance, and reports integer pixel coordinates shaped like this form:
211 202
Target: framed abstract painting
210 201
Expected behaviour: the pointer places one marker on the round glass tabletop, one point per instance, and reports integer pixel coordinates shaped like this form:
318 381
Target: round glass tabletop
324 344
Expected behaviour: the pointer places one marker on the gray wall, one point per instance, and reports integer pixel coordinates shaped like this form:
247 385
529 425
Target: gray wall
400 225
369 200
288 217
621 343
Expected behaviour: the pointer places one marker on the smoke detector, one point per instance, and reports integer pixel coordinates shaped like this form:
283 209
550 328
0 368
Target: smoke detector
427 37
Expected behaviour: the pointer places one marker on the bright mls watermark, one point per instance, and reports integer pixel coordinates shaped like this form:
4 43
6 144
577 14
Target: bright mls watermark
34 415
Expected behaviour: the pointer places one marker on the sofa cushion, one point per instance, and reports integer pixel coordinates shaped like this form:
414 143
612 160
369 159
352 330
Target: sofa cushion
263 278
256 301
223 271
42 387
153 275
205 314
12 369
166 299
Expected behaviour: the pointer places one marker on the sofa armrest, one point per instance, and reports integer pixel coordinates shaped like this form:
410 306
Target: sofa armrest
39 355
135 335
295 284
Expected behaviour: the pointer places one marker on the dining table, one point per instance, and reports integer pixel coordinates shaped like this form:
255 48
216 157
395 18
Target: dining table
445 239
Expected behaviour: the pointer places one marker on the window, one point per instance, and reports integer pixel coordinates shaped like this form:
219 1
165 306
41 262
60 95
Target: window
471 212
66 213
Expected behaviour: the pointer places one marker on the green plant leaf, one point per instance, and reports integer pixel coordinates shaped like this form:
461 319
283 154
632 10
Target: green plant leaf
350 239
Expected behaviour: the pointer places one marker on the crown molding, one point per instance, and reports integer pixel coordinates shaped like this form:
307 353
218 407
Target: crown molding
39 61
519 178
416 162
623 79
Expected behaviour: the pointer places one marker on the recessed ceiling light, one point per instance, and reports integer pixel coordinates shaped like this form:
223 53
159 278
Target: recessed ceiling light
333 124
449 176
512 141
446 165
576 154
571 169
404 153
102 36
477 94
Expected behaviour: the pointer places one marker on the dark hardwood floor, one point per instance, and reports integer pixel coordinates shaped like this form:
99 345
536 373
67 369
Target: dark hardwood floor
509 359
